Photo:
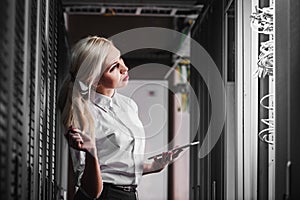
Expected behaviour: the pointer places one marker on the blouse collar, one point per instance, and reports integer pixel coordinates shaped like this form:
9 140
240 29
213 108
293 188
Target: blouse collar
106 102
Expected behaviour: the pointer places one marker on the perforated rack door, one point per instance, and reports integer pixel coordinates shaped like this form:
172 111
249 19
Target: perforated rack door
28 82
31 96
18 136
5 58
13 137
44 152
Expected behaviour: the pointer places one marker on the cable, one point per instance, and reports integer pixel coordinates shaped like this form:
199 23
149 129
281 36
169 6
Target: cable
263 98
262 20
265 61
268 122
267 140
263 138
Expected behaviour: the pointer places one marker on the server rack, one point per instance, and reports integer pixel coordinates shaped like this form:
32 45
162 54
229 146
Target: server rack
255 168
29 73
287 99
207 174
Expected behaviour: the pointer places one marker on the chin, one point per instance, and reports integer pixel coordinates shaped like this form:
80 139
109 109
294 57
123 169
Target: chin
124 84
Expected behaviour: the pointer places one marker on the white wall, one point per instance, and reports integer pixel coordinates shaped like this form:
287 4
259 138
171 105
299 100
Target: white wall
151 97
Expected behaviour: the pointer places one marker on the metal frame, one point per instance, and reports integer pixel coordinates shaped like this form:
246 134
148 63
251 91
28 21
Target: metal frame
230 128
240 21
272 148
191 12
247 105
225 66
250 109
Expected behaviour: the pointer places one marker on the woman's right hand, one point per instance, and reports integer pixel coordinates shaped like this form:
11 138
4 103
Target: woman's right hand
91 179
80 141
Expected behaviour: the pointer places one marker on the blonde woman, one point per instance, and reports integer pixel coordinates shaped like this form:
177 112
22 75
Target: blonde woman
103 125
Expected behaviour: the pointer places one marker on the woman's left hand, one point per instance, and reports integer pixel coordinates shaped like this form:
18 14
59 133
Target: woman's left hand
160 163
167 157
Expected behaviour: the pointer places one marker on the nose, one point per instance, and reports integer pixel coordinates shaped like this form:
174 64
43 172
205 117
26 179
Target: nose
123 69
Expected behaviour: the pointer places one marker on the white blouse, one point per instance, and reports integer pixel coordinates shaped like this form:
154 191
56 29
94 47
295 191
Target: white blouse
120 140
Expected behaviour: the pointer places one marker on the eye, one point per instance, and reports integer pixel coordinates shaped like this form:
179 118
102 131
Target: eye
114 67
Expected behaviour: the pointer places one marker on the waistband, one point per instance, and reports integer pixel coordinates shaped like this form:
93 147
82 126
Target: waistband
125 188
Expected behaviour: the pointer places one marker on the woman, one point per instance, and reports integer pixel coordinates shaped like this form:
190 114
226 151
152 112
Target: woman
107 127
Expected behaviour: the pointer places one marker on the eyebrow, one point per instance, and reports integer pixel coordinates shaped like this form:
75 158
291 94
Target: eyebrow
112 65
115 61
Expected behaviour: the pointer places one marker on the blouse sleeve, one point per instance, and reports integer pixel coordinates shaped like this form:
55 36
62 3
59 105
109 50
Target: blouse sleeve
78 160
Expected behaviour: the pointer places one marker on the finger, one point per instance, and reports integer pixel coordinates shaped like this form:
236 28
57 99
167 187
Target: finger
75 130
76 136
176 154
75 133
171 156
79 140
167 158
76 139
73 139
164 156
177 151
77 144
68 133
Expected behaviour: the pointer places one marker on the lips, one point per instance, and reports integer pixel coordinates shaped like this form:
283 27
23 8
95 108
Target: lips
126 78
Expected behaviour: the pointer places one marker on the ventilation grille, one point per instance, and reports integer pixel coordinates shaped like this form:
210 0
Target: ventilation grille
28 98
32 96
17 103
4 79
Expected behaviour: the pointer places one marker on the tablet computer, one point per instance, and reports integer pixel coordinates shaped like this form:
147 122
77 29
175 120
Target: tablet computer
176 148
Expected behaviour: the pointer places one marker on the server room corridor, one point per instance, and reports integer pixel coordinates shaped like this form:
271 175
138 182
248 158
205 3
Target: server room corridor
216 81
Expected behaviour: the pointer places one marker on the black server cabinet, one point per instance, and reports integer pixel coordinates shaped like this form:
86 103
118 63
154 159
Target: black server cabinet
287 42
28 87
207 174
10 101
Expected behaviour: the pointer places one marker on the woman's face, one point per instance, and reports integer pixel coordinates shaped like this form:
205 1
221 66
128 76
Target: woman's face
115 74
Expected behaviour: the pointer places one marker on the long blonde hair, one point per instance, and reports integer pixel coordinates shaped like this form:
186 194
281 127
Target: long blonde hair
87 58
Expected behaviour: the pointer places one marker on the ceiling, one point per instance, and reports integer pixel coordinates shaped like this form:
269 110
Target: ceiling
108 17
136 2
173 8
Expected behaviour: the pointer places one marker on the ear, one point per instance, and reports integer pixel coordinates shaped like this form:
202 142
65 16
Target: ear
96 85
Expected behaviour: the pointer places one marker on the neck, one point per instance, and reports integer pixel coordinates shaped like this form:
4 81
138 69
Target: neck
106 92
